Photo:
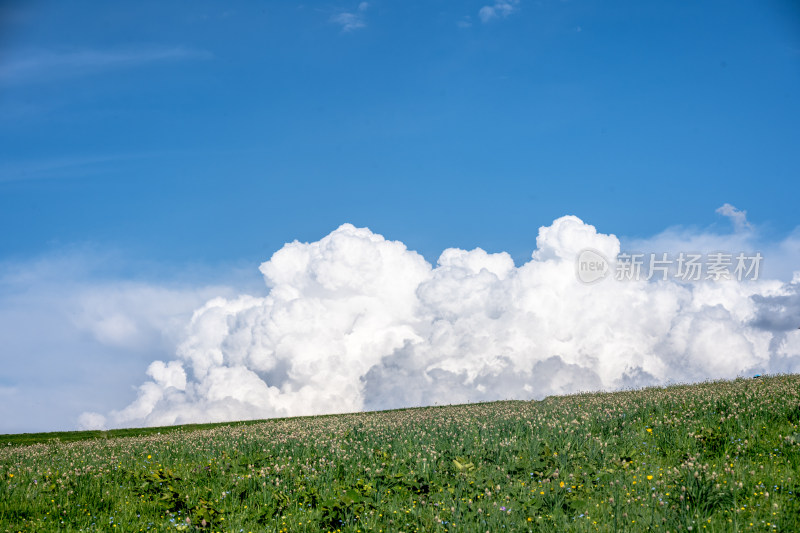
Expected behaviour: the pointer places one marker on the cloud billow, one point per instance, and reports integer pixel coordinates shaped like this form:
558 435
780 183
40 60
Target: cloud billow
355 321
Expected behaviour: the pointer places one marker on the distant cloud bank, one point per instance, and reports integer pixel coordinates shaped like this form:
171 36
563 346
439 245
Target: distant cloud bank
355 321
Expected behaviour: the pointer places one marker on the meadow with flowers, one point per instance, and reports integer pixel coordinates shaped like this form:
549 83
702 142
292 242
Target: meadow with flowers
717 456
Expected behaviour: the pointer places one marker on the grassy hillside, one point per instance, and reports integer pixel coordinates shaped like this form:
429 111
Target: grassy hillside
721 456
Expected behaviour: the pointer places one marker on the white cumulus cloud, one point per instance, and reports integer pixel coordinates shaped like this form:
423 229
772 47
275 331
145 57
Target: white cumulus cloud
355 321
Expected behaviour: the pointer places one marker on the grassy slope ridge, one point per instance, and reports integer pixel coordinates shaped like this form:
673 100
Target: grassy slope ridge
721 456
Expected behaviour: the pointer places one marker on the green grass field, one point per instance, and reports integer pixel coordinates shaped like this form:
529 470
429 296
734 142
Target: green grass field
722 456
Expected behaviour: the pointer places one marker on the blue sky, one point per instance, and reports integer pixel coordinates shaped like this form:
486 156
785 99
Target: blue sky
209 132
183 143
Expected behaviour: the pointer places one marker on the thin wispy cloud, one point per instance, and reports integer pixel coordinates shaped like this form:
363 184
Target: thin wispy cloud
42 65
737 217
351 21
500 9
53 168
66 167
